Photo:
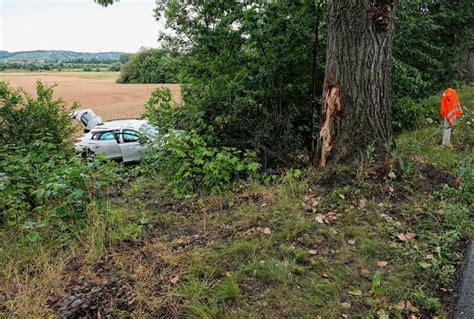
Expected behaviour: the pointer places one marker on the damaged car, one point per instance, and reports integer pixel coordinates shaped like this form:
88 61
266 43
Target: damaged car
122 139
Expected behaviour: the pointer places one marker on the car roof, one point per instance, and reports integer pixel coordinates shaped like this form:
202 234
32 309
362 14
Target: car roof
120 124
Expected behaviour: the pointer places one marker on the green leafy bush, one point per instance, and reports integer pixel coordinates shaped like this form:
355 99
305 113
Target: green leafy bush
162 111
409 114
187 159
44 186
24 119
46 183
150 66
192 166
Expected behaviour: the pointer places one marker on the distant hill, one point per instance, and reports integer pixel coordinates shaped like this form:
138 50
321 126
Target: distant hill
57 56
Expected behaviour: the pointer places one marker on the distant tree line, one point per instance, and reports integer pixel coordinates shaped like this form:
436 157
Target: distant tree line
54 64
151 66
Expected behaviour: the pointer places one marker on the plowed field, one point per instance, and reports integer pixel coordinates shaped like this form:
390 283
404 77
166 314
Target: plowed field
95 90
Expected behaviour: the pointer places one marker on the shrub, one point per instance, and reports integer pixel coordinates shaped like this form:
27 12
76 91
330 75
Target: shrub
150 66
192 166
24 119
115 67
187 159
409 114
44 186
162 111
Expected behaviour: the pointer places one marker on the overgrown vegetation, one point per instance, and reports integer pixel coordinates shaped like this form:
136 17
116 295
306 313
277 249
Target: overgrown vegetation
254 71
225 218
82 237
151 66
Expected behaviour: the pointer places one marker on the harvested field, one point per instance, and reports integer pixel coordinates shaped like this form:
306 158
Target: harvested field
95 90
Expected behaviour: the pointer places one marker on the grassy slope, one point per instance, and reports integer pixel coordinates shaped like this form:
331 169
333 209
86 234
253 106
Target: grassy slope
263 251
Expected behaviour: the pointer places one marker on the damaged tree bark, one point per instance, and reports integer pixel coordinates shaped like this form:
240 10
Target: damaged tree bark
357 109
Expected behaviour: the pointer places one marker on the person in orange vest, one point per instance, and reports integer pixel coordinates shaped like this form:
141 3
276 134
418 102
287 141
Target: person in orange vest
450 111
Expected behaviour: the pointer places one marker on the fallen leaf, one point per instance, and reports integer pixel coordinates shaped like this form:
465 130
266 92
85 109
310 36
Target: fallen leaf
351 241
402 237
406 305
410 236
174 279
319 218
392 175
312 252
429 257
264 230
365 272
247 232
327 218
310 202
405 237
342 196
382 263
387 218
391 189
362 203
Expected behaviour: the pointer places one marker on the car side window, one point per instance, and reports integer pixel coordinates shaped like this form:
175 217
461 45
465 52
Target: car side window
130 136
107 136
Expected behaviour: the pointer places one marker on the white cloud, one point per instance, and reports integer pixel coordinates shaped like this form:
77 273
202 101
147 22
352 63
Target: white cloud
77 25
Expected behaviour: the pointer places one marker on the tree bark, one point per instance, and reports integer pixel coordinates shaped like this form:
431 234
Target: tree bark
357 111
314 101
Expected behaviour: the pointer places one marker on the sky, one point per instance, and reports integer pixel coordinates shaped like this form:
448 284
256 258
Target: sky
77 25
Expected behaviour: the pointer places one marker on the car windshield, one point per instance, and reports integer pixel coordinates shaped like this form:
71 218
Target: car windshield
148 130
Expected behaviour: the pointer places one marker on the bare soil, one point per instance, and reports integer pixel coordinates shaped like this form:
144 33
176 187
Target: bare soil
94 90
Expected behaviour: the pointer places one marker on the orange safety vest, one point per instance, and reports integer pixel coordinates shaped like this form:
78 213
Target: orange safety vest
450 107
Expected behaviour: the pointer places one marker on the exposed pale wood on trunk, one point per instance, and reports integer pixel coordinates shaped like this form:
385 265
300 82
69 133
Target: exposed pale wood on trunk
359 63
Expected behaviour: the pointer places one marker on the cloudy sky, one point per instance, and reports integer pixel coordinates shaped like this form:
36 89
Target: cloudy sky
77 25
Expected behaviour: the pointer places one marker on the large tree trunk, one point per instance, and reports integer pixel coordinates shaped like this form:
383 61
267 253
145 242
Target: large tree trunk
357 109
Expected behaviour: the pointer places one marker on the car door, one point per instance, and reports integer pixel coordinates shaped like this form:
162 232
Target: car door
87 118
107 143
131 146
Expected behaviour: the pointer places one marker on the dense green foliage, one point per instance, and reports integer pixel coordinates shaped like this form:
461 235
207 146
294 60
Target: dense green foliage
252 75
150 66
59 66
44 186
430 42
24 119
249 72
254 71
185 158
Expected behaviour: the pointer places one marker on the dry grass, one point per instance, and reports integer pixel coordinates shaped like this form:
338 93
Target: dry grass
95 90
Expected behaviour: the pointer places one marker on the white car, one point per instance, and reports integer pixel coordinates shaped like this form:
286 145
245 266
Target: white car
124 140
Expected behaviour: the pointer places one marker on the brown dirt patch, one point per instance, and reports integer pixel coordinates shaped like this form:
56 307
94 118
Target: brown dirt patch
108 99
